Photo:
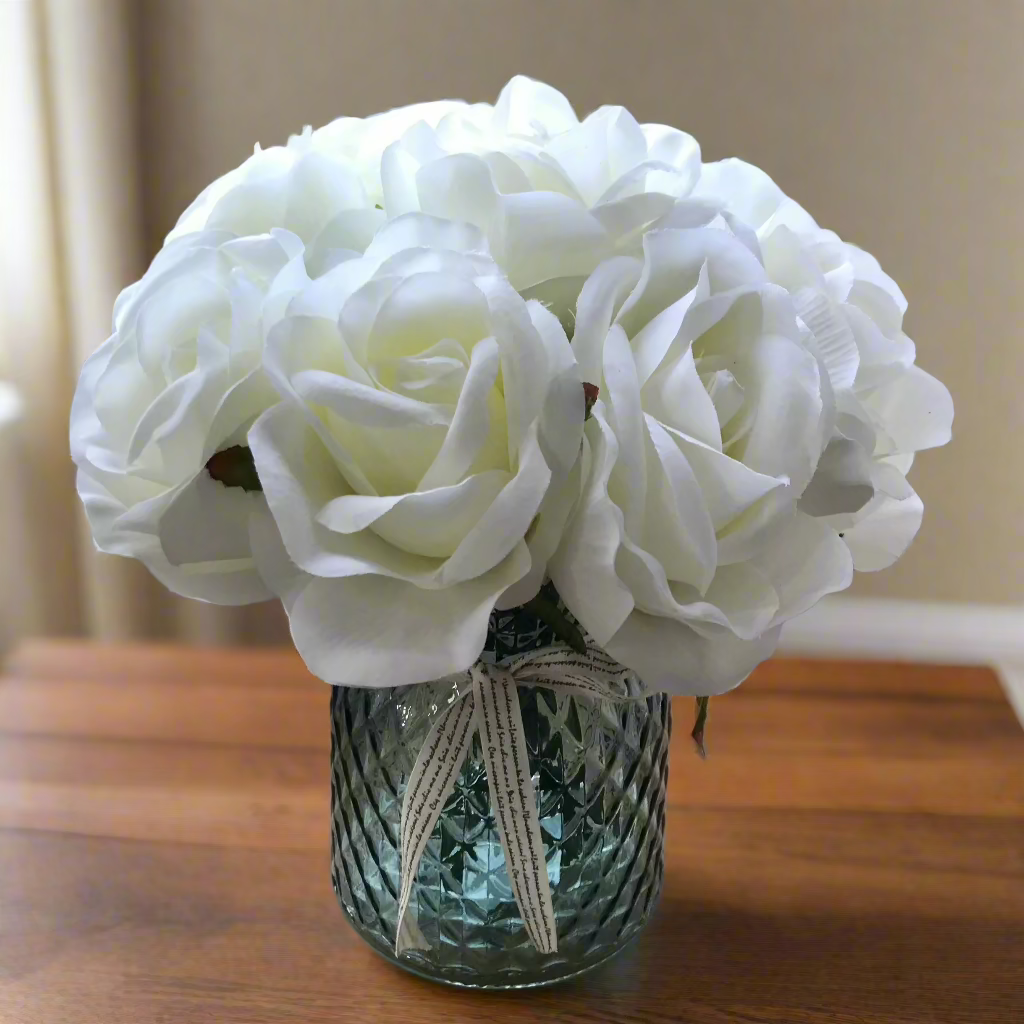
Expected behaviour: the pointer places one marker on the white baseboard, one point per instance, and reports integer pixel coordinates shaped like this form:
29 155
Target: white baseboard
884 629
922 631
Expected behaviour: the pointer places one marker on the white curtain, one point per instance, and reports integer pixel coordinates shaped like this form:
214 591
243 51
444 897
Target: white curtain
71 236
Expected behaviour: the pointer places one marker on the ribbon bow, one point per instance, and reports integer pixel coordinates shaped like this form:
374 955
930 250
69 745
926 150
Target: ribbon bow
487 702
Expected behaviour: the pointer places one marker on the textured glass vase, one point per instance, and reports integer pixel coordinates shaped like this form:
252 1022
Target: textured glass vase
600 770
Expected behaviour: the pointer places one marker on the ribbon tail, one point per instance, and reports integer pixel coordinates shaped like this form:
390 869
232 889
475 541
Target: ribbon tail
409 935
431 782
513 800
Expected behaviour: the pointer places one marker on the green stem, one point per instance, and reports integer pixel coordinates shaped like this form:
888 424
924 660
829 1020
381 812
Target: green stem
548 612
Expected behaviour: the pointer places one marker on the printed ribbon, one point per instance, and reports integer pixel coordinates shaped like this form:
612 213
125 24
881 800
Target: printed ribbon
487 703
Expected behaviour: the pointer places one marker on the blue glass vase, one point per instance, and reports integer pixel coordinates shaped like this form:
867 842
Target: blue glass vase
600 770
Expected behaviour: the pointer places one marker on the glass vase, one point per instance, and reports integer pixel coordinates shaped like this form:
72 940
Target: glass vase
600 770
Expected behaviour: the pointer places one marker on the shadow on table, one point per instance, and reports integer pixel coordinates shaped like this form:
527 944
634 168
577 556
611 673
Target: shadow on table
717 964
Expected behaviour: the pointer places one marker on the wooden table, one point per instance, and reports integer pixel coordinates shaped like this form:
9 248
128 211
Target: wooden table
852 852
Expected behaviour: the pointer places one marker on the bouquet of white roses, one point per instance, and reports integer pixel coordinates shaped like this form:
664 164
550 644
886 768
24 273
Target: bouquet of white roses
413 368
353 379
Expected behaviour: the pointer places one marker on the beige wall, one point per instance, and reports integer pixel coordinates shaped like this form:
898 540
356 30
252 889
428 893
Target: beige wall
896 122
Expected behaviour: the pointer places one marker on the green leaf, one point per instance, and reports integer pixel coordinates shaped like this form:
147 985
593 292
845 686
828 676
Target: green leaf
698 725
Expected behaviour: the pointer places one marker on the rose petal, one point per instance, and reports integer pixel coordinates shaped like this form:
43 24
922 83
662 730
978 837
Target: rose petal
841 481
470 431
783 385
752 195
596 152
670 656
423 309
677 527
545 235
545 535
600 298
885 532
624 220
502 527
419 231
349 631
915 409
430 522
459 188
133 533
560 428
367 406
528 107
740 599
583 567
299 478
805 561
833 338
207 522
345 236
677 398
626 419
729 488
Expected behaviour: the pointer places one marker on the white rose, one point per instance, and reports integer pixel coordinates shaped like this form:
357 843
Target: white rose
300 186
323 185
323 179
361 141
554 196
687 549
314 187
526 108
178 382
430 417
887 407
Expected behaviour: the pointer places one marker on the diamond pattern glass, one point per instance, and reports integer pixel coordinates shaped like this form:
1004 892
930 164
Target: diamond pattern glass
600 771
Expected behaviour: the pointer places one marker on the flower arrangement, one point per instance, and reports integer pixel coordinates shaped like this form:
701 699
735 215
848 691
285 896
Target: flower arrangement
408 369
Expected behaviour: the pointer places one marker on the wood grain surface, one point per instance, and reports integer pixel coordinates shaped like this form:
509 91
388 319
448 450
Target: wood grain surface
852 852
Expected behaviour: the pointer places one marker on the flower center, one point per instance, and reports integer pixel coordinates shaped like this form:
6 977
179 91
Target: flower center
234 467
